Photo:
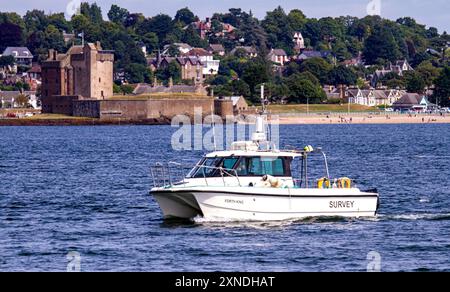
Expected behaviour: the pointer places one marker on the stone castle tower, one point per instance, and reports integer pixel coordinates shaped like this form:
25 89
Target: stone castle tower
84 72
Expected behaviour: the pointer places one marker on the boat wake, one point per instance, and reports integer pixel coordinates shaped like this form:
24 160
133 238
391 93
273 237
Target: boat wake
226 222
417 216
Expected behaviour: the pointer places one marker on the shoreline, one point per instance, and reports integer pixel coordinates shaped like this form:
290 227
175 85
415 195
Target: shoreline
364 120
281 120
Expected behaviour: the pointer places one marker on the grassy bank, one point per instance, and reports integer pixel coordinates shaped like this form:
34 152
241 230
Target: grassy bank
320 108
161 96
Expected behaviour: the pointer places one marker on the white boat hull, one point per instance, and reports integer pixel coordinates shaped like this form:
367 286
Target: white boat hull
264 204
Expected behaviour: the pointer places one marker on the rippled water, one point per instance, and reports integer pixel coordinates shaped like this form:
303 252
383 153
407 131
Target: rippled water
85 189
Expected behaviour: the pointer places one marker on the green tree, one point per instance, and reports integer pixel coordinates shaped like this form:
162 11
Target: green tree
393 80
93 12
118 15
381 45
255 73
59 21
296 19
414 82
160 24
137 73
185 16
11 35
442 91
173 70
317 66
240 87
276 23
151 41
191 37
126 89
303 90
428 72
6 61
342 75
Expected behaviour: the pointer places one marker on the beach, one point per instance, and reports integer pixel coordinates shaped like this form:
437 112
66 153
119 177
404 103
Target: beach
315 119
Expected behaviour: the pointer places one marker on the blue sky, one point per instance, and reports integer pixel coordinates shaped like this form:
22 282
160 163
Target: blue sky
432 12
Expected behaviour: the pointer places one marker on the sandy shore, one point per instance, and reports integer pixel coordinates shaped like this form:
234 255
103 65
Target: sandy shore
367 119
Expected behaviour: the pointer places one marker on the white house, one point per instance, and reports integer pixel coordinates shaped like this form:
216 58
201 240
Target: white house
22 55
362 97
299 41
278 56
210 66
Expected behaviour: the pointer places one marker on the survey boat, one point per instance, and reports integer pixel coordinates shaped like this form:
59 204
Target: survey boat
255 181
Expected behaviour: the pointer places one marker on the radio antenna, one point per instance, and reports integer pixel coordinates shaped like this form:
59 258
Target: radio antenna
213 127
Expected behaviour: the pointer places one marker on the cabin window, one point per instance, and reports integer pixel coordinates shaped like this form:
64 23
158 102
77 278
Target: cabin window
208 167
259 166
228 163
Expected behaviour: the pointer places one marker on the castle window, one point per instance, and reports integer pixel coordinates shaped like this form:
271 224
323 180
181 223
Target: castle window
99 80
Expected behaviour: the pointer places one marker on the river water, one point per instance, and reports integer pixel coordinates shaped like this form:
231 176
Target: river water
84 191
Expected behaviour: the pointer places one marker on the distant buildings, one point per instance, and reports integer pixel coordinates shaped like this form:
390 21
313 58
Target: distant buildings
195 65
210 66
191 67
299 42
22 55
278 56
11 99
413 102
183 48
216 49
206 27
398 68
248 51
305 55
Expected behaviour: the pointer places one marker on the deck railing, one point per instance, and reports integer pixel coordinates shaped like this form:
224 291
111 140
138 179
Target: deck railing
173 173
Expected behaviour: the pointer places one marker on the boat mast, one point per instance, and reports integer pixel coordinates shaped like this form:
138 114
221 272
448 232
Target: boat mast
260 132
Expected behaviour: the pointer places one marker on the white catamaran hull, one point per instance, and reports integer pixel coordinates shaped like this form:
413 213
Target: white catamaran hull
263 204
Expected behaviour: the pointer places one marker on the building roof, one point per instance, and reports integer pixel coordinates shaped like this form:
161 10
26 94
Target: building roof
36 68
183 46
18 52
198 52
409 99
181 60
278 52
247 49
147 89
353 92
313 54
216 48
380 94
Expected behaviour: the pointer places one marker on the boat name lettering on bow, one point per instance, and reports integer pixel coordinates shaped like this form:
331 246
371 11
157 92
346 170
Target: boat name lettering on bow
341 204
231 201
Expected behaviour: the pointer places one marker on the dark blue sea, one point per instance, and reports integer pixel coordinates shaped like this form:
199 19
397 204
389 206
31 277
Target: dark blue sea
84 190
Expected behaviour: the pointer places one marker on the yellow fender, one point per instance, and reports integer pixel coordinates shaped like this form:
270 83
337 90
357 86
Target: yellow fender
344 183
323 183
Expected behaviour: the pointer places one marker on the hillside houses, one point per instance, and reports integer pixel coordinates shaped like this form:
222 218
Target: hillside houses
22 55
372 97
413 102
206 27
248 51
398 68
278 56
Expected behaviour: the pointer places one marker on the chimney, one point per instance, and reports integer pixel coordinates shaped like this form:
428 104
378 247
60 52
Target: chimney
51 54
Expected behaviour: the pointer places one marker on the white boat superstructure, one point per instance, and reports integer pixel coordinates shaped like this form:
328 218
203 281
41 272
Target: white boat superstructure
255 181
